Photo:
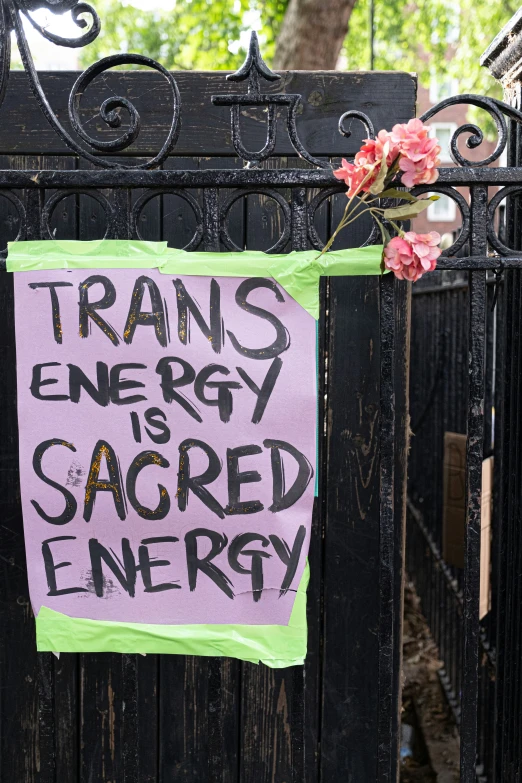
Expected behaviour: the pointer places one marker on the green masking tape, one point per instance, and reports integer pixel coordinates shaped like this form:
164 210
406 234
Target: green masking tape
276 646
298 272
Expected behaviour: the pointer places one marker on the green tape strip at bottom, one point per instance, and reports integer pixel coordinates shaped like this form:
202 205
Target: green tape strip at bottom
277 646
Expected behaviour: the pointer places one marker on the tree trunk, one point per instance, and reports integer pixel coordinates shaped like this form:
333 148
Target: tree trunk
312 34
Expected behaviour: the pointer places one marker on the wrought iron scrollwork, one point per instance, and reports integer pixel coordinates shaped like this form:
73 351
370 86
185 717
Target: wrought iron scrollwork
12 13
494 240
269 193
142 202
497 110
356 115
60 195
463 207
21 215
110 116
76 8
253 69
310 189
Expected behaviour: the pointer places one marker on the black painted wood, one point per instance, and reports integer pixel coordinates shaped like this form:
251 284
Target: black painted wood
272 703
387 98
134 719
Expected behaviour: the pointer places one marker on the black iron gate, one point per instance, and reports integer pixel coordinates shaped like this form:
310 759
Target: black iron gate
124 719
491 730
128 719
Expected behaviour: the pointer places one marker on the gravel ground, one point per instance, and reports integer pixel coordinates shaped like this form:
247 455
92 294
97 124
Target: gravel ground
432 755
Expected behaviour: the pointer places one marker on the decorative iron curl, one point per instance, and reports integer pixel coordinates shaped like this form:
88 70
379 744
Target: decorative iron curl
498 111
112 118
142 202
493 238
374 237
77 9
108 112
312 208
56 6
60 195
356 115
252 71
22 227
22 216
463 206
283 240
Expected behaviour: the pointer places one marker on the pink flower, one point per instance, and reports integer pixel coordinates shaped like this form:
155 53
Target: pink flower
409 256
367 163
374 150
419 153
423 172
409 143
353 176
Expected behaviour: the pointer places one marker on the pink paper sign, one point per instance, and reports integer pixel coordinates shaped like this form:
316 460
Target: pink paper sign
167 445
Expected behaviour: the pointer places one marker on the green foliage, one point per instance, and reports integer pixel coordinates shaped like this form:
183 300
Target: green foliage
435 38
438 38
195 34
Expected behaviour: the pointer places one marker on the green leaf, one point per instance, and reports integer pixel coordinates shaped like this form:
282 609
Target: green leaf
394 193
408 211
378 185
386 238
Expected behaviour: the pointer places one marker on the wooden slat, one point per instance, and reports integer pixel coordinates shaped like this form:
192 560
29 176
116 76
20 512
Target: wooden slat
351 539
402 441
198 719
351 578
92 218
26 750
178 220
273 714
199 696
18 670
64 225
119 698
205 128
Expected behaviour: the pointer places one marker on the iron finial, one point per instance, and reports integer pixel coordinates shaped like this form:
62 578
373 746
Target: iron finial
253 67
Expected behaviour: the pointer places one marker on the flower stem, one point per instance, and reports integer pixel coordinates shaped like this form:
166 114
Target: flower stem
344 220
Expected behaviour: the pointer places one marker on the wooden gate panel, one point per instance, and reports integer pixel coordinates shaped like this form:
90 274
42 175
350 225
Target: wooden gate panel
272 701
163 719
352 530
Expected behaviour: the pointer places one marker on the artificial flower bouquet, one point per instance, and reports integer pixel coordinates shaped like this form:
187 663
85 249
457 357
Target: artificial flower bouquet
407 150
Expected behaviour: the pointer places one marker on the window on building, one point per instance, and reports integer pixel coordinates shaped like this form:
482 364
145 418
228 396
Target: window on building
443 210
444 131
440 89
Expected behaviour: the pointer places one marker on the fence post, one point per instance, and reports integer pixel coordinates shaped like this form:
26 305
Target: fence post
503 58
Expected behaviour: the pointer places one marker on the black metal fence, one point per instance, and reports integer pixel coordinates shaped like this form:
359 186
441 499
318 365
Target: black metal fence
438 394
225 180
441 381
336 719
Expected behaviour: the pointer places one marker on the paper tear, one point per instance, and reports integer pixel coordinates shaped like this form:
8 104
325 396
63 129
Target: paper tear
265 588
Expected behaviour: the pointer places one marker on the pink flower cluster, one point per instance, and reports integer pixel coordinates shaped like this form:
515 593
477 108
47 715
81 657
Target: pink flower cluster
419 153
409 256
409 144
362 173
